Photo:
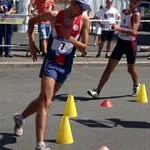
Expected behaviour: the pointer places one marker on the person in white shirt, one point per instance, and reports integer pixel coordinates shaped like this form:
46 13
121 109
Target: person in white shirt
98 30
108 15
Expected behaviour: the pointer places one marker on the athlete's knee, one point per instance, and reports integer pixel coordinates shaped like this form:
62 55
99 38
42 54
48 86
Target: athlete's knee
131 69
45 99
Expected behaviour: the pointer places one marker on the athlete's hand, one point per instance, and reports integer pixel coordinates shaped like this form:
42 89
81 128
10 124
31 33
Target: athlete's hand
62 31
115 27
33 50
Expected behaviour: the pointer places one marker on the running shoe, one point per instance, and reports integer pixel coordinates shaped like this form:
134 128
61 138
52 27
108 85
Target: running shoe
93 93
136 89
18 130
42 147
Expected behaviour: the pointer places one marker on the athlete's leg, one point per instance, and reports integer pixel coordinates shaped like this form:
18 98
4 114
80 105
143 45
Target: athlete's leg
108 48
100 47
112 63
45 98
33 106
133 72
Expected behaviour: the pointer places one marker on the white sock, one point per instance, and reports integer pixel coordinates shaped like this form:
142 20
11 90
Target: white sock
41 143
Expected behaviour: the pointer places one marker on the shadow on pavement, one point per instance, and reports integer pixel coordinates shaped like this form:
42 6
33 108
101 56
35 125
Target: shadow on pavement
6 138
113 122
63 97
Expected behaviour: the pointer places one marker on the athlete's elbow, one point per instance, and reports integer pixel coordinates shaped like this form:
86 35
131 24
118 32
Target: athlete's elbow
134 33
84 48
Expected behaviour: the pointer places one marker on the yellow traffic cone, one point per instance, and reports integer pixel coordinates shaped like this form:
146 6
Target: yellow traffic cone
142 94
64 135
70 108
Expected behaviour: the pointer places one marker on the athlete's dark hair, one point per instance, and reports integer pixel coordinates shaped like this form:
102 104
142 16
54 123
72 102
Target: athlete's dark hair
138 0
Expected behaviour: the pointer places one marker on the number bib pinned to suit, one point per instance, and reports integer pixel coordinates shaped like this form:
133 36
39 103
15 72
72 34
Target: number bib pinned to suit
62 48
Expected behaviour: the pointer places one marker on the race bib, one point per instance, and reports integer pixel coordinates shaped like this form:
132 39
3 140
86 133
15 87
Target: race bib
62 46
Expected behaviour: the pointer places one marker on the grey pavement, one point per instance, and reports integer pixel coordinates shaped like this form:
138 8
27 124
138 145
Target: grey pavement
125 126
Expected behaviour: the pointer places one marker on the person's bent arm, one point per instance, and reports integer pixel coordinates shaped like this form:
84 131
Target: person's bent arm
133 31
82 45
32 21
30 6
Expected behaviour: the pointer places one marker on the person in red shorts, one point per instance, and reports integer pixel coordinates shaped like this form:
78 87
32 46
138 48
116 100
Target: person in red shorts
126 44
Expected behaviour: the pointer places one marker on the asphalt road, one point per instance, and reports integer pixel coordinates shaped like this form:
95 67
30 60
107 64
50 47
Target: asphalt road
125 126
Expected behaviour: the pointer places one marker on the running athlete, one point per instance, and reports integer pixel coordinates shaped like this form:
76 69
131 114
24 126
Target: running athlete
67 26
126 44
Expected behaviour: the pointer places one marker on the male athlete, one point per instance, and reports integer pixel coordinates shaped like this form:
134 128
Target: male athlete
67 26
126 44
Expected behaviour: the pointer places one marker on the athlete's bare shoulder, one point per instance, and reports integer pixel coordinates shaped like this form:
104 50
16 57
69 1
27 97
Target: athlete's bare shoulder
52 16
85 17
137 14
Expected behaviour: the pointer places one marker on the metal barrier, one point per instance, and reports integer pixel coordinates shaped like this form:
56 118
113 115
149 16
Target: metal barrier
20 19
15 19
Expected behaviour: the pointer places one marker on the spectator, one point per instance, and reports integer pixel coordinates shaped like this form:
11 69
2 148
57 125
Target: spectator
107 15
44 26
97 32
6 8
149 53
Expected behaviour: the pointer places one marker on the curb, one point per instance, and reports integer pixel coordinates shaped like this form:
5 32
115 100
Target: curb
78 63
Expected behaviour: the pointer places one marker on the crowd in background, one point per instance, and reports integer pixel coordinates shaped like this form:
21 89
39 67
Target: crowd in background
101 33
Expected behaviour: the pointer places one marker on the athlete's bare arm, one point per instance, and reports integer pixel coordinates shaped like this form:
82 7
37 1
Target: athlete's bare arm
51 16
82 45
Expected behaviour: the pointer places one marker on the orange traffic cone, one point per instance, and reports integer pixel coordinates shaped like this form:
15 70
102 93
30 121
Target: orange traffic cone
107 103
70 108
142 94
64 134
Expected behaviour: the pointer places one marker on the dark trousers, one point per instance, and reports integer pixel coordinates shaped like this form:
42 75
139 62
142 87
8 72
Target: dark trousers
6 33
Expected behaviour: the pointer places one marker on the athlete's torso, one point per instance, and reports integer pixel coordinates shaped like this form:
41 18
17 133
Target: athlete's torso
60 50
126 22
